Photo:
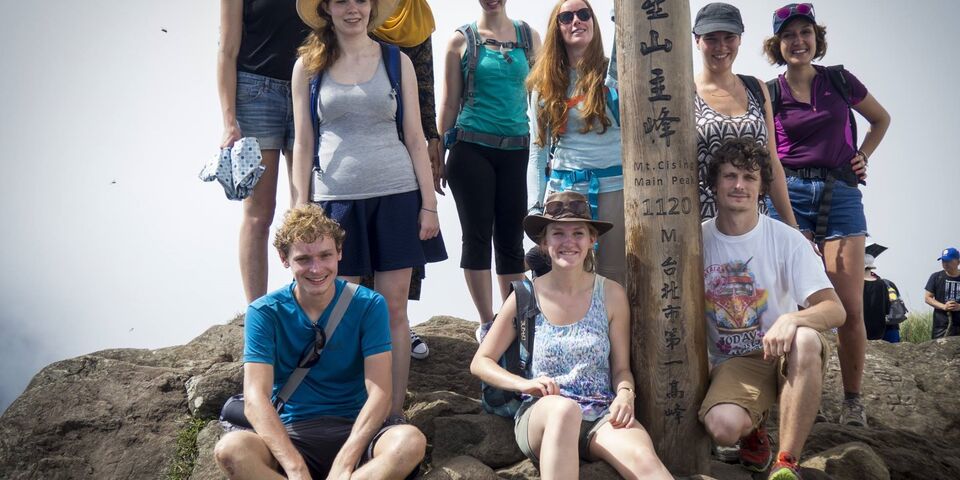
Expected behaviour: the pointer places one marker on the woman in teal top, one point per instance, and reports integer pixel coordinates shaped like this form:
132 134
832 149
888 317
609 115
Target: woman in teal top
575 126
483 117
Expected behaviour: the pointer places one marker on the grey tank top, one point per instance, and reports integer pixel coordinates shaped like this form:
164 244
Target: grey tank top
360 153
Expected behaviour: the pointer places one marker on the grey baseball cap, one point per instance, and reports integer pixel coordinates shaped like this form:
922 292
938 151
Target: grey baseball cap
718 17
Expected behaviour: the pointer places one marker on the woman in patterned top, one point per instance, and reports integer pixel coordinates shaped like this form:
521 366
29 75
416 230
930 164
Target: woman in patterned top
725 108
579 401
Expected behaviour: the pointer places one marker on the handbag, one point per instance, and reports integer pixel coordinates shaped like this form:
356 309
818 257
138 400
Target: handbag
232 416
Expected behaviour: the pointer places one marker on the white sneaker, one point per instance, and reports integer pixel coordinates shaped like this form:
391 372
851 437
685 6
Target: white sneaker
418 348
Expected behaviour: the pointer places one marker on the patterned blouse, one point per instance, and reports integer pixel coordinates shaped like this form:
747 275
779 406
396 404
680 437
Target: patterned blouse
577 356
713 128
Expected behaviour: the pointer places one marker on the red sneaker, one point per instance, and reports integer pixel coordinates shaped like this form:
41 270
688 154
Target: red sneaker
755 453
786 468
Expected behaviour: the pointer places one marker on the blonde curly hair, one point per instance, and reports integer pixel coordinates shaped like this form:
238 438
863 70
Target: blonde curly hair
306 223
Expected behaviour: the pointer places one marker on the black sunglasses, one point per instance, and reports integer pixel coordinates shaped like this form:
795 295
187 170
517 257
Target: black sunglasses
566 18
311 354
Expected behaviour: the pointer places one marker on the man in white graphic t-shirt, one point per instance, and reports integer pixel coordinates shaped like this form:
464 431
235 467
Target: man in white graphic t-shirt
757 270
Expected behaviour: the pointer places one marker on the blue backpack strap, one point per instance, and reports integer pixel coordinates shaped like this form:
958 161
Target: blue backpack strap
471 54
613 102
315 116
391 60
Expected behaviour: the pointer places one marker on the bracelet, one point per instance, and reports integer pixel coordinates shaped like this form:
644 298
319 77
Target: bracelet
626 388
427 209
796 227
864 155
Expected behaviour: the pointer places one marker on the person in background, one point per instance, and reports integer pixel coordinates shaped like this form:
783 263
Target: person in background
943 294
483 117
876 303
575 127
579 401
817 146
410 27
377 187
258 46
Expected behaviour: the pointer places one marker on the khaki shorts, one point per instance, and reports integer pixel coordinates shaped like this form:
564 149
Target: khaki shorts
587 430
752 382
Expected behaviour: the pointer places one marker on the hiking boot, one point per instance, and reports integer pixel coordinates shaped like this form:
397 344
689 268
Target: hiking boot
786 468
727 454
853 413
483 329
755 453
418 348
395 420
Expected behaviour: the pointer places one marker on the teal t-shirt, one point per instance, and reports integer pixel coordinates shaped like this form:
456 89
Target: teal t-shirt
500 99
277 331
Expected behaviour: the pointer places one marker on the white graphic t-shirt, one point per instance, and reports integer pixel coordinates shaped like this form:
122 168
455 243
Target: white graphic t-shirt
752 279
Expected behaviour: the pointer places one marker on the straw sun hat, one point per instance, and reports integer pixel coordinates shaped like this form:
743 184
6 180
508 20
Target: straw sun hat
307 9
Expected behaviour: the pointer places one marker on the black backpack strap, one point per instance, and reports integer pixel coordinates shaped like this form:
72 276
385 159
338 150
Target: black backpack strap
471 54
773 87
840 84
525 39
524 321
322 336
315 117
755 88
391 60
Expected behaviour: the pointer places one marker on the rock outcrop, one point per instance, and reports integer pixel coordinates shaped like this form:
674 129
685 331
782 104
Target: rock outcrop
122 414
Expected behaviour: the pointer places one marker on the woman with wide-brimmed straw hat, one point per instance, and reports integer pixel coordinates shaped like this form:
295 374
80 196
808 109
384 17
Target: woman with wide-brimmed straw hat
579 399
258 46
377 187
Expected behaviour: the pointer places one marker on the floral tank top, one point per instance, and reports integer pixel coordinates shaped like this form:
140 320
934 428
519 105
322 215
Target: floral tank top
577 356
713 128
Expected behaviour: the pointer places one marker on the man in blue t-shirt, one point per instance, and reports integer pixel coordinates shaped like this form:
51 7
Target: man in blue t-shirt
333 425
943 294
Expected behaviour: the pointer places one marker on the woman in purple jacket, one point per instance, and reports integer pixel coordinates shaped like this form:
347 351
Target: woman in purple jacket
816 143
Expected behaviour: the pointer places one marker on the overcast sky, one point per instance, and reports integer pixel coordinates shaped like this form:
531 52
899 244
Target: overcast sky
110 111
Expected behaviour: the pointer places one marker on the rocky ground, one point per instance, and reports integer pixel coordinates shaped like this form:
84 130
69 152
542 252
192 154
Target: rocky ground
127 413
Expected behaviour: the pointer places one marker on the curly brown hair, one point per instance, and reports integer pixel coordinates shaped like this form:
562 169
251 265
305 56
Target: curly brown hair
771 46
306 223
549 77
741 153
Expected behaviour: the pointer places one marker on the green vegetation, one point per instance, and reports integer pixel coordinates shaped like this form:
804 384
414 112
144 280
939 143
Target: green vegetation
181 466
917 327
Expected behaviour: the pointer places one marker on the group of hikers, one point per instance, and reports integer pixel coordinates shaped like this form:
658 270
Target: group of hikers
527 136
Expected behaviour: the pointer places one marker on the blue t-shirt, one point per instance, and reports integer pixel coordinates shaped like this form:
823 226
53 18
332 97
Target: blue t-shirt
277 331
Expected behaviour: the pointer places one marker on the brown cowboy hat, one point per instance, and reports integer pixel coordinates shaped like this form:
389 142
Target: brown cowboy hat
562 207
307 9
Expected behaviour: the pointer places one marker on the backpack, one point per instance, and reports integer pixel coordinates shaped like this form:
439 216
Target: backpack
898 310
391 60
839 82
519 355
475 43
756 89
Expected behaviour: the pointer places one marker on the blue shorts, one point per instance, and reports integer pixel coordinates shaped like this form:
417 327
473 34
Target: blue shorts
846 207
383 234
265 110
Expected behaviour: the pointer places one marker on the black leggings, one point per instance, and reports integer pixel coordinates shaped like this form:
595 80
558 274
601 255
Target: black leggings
490 188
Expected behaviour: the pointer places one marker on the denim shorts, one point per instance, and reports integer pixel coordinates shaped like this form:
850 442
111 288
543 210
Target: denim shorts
383 234
846 207
265 110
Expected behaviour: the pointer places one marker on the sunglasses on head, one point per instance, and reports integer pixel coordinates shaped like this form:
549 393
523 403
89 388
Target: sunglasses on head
555 208
800 8
566 18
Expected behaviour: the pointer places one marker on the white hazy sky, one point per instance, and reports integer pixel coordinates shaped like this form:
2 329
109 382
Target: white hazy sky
95 92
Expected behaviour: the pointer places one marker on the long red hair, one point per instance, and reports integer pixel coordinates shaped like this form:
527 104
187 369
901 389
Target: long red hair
550 78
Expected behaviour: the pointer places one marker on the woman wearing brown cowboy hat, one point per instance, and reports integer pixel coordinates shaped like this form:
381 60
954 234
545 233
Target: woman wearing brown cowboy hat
579 399
377 187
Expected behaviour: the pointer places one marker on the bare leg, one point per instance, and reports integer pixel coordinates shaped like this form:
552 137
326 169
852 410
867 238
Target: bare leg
844 262
800 396
481 291
243 455
504 282
395 455
258 211
553 433
727 423
630 451
394 285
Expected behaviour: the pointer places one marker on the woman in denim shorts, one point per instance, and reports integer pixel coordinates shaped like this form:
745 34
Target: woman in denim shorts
258 46
817 147
578 403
